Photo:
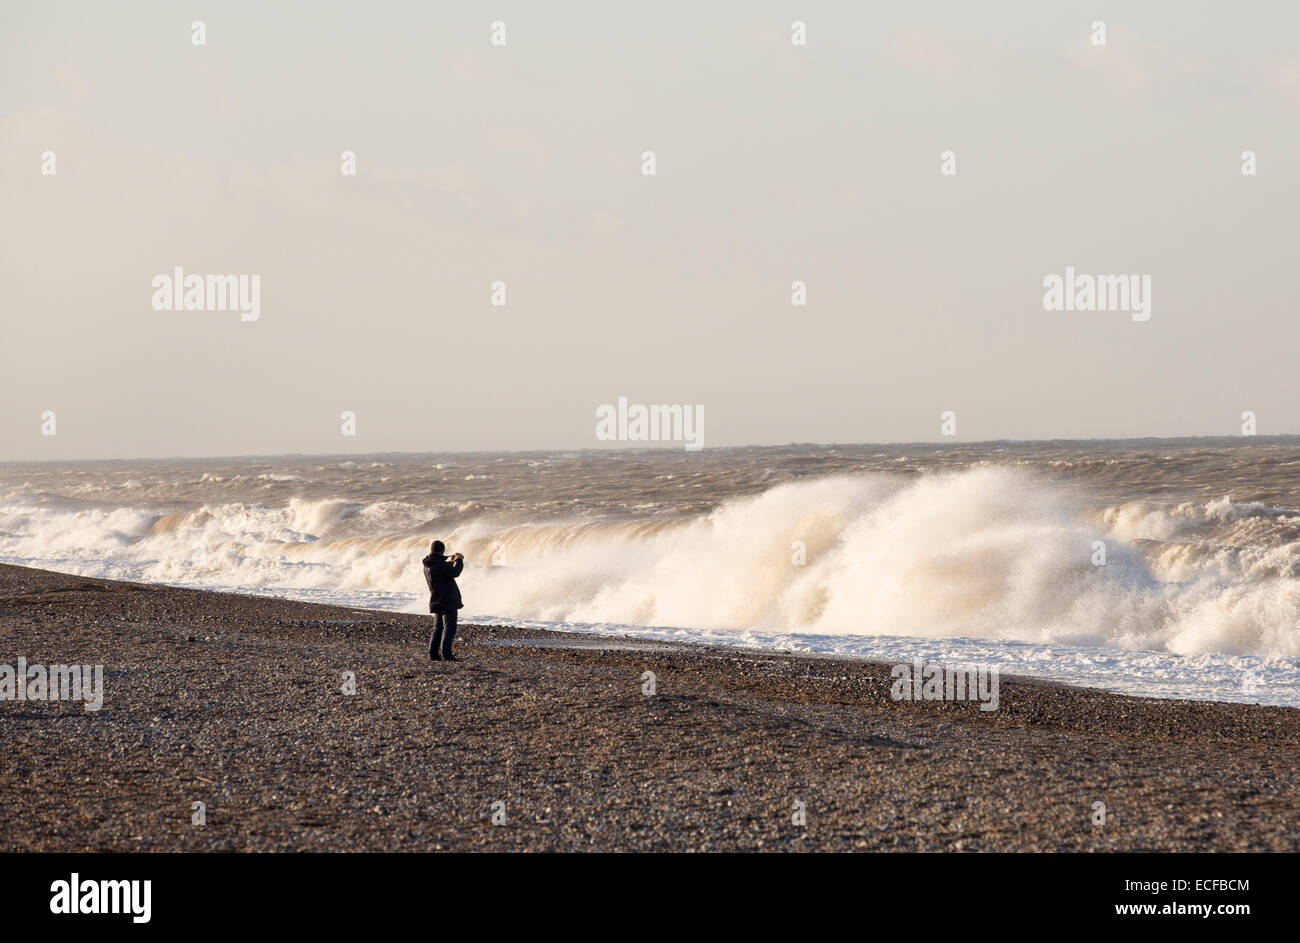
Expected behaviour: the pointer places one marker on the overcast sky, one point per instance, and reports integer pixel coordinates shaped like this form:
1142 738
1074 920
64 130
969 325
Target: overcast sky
522 163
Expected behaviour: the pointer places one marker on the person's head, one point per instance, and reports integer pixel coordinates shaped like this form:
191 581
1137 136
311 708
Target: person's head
438 547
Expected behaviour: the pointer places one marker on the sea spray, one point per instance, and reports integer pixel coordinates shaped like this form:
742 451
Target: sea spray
1158 568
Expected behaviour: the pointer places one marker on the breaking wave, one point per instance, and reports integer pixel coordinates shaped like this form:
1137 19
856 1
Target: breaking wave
990 552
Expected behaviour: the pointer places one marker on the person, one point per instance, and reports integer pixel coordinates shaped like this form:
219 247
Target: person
444 598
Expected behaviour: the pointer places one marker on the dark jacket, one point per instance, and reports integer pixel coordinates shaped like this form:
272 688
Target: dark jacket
444 594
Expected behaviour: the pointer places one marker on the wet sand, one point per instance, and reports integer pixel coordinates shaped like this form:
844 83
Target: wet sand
236 702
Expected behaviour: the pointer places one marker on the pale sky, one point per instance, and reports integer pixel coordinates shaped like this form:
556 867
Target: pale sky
522 163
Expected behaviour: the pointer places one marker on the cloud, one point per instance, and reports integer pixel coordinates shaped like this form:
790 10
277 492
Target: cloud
1129 64
465 65
924 48
963 63
1282 77
73 86
604 223
459 182
769 31
512 140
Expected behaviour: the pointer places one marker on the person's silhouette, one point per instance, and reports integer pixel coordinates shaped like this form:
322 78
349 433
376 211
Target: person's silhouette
444 598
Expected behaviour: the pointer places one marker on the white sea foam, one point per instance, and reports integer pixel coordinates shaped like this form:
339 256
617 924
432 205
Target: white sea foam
990 560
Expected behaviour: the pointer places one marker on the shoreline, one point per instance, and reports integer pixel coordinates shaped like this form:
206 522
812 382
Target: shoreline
236 702
1167 681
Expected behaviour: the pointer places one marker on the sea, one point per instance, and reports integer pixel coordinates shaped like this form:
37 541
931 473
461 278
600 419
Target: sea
1162 568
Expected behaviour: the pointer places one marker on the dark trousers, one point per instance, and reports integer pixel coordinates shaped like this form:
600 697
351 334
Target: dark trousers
443 633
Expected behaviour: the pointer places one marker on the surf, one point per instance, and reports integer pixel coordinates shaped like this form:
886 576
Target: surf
989 552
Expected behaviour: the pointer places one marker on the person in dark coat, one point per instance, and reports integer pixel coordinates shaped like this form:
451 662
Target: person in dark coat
444 598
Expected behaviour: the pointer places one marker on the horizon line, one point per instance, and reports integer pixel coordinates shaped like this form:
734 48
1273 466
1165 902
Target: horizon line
642 448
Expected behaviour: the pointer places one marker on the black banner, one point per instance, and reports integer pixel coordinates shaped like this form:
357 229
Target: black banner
335 892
